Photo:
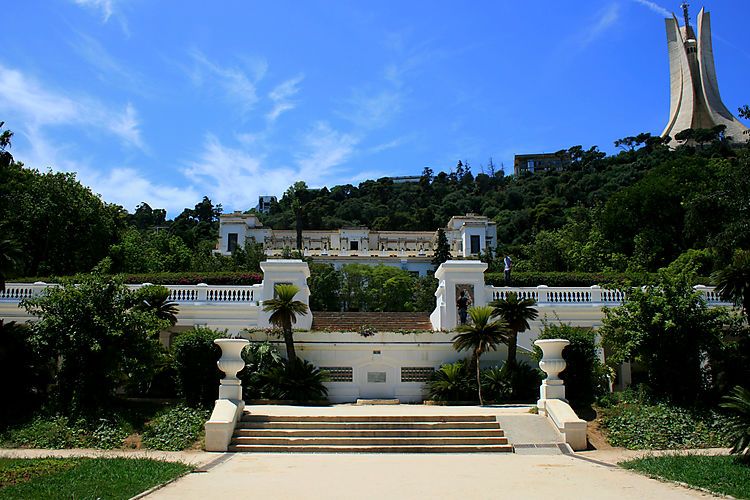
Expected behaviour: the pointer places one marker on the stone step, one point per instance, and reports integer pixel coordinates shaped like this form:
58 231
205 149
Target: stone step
248 417
367 425
369 441
500 448
365 433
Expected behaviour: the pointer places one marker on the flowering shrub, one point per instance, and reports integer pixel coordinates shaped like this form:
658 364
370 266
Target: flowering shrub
218 278
366 331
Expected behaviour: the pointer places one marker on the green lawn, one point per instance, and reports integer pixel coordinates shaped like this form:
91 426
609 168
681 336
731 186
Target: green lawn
80 478
720 474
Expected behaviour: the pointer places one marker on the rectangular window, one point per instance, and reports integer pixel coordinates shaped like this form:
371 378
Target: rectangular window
231 242
474 243
416 373
354 245
339 373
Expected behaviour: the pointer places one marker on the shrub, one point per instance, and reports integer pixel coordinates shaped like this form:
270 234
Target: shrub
100 340
62 432
195 356
298 380
494 384
738 428
642 425
175 429
259 357
452 382
584 375
524 380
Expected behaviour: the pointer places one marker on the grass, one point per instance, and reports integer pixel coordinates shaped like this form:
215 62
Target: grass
728 475
81 478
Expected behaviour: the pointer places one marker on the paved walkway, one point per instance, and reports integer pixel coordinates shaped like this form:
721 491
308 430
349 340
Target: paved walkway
539 468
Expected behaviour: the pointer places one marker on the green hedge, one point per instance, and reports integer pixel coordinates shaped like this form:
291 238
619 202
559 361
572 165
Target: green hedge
552 279
217 278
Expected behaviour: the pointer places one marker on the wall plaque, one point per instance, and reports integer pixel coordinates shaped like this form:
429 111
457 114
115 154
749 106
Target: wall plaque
376 377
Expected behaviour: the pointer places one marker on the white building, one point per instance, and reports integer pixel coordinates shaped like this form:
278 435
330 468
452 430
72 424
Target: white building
467 236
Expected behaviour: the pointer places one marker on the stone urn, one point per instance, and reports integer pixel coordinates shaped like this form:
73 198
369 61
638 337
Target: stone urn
552 364
230 363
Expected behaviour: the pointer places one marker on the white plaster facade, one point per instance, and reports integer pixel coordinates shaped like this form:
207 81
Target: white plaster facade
467 236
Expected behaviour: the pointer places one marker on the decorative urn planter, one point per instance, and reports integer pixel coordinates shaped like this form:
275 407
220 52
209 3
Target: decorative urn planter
552 364
230 363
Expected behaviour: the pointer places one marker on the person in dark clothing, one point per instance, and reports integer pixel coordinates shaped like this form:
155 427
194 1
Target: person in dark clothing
463 306
508 266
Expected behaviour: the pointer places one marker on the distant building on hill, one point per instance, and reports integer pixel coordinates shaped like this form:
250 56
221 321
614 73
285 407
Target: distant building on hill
541 162
406 178
264 204
468 236
695 101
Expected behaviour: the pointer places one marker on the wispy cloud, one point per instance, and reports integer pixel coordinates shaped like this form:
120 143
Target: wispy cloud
40 106
106 7
236 83
326 148
106 66
372 109
604 19
235 176
281 96
655 7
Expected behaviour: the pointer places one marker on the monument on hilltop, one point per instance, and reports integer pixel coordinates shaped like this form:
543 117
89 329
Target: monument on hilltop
695 101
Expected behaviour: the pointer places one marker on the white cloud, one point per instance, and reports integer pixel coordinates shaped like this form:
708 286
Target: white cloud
373 110
40 106
281 96
234 177
655 7
605 18
128 187
105 6
237 85
107 67
326 149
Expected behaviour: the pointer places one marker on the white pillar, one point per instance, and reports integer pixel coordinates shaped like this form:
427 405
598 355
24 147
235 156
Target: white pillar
450 274
287 271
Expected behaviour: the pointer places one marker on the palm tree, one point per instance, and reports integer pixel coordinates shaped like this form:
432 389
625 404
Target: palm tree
155 298
517 313
480 337
739 423
284 310
733 282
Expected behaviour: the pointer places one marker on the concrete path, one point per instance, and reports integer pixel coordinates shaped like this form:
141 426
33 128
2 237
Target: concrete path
540 468
433 476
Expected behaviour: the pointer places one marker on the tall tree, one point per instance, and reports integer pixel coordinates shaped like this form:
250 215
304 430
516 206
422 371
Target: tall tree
284 310
479 337
442 250
517 313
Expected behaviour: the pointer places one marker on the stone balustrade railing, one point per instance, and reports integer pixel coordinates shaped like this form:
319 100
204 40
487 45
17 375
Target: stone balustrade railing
581 295
180 293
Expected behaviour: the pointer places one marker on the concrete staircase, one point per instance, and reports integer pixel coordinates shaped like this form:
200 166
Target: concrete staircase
380 321
369 434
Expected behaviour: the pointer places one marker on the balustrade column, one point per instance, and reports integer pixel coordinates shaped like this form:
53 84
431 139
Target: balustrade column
202 291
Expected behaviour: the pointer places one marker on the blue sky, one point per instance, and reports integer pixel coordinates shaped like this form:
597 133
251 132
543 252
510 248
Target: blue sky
167 101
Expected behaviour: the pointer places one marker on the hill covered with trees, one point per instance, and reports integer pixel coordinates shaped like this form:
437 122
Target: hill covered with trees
644 208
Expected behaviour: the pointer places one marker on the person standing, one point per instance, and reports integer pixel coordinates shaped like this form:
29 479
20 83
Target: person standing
463 306
508 266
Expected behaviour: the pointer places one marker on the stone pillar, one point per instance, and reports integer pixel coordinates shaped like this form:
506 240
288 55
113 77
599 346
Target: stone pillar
287 271
552 364
450 274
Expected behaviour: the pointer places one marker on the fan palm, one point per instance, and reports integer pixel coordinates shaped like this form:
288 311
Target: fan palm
480 337
517 313
739 425
155 298
733 282
284 310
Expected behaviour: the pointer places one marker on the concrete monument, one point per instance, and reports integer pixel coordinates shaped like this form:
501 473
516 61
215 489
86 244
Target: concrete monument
695 101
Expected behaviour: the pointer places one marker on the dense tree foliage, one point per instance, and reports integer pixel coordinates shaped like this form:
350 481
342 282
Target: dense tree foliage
99 339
